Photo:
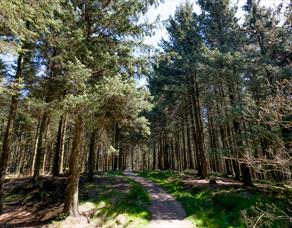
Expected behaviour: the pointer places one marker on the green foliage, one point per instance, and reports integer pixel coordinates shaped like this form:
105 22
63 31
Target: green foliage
137 197
24 21
218 67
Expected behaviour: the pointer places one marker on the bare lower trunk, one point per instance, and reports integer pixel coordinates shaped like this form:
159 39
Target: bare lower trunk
9 128
200 133
91 157
154 157
62 152
71 198
39 154
59 151
246 177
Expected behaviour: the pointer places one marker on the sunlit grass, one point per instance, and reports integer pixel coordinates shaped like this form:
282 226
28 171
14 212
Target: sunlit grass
114 207
208 207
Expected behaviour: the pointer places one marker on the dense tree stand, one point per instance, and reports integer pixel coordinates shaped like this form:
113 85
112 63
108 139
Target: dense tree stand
82 95
9 127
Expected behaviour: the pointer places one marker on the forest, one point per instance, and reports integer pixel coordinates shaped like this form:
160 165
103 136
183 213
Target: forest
83 144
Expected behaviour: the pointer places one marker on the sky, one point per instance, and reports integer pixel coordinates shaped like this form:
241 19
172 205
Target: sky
166 9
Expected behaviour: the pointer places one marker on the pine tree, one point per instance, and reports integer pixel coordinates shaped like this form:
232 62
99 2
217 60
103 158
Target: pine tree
179 76
20 25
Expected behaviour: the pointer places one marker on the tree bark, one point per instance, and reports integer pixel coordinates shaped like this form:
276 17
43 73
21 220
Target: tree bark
154 157
91 157
71 196
39 154
62 152
59 148
200 133
246 177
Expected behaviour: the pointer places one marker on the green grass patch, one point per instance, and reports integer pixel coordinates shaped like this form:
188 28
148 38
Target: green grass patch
232 207
115 173
117 199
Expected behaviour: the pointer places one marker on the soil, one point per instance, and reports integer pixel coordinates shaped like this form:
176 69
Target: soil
37 212
42 209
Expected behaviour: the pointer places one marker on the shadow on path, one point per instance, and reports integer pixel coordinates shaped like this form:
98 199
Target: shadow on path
166 211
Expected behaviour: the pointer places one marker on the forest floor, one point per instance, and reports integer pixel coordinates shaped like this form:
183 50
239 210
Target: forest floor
228 203
112 200
116 200
28 206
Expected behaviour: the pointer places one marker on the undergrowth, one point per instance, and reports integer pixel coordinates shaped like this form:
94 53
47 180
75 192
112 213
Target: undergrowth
117 201
232 207
29 192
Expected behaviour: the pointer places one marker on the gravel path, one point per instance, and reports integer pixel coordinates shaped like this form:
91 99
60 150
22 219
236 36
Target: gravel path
166 211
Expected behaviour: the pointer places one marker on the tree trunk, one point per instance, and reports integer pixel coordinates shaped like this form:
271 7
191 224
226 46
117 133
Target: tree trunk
184 154
71 197
246 177
200 133
35 145
193 132
56 162
91 157
236 169
62 152
9 127
154 157
191 163
39 154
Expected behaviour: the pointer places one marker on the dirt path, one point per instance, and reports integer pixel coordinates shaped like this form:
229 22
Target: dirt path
166 211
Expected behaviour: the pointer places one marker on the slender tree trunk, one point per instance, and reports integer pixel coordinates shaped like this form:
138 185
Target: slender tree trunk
35 146
9 127
120 158
56 161
20 164
184 144
193 132
71 196
39 154
160 153
177 157
62 152
200 133
236 169
47 157
188 133
97 160
91 157
154 157
132 159
246 177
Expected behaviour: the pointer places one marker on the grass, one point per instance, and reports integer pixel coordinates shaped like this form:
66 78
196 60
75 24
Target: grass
117 201
232 207
116 173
